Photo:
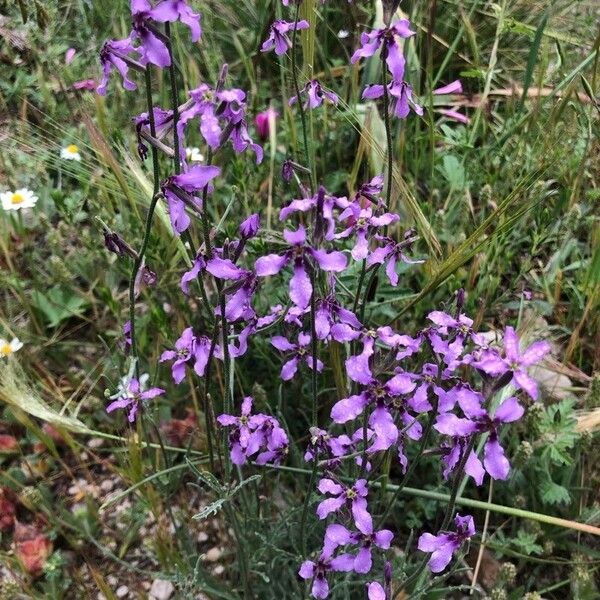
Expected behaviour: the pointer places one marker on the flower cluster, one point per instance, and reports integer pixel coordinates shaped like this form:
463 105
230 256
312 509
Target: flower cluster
398 387
251 435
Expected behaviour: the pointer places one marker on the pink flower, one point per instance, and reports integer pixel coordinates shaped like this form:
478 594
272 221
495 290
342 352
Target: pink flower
265 122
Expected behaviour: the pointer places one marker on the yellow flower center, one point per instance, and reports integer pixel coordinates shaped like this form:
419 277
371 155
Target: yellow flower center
72 149
17 198
5 349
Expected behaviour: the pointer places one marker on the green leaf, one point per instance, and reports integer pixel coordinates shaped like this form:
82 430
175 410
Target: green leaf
553 493
58 304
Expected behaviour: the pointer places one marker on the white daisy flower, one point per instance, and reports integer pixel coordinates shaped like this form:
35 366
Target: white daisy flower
71 152
7 348
22 198
194 154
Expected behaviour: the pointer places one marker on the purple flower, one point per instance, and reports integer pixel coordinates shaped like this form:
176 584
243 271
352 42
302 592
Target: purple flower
133 398
115 53
401 91
315 94
278 36
391 252
188 347
338 535
330 311
323 444
152 48
179 191
341 495
299 351
514 362
362 221
300 287
178 10
445 544
252 433
222 117
265 121
387 39
376 393
318 570
322 205
478 421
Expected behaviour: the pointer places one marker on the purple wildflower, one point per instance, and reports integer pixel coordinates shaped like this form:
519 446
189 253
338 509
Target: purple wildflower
355 496
514 361
338 535
299 351
252 433
132 399
478 421
315 94
278 36
152 48
445 544
318 570
169 11
401 91
361 221
188 347
114 53
391 252
300 287
387 39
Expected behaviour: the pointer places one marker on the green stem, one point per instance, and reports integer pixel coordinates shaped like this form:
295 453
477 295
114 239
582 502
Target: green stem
410 469
388 131
299 100
155 197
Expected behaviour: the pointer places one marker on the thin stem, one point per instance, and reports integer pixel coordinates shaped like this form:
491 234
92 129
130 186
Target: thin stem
155 197
205 219
299 100
411 468
449 507
388 130
226 366
174 100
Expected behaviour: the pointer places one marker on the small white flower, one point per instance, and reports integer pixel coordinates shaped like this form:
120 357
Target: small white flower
194 154
71 152
343 34
7 348
22 198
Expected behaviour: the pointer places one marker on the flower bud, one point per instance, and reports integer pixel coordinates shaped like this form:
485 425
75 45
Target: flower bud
389 8
249 228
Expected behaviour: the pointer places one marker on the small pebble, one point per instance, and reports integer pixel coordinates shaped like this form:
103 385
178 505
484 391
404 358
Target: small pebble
161 589
122 591
213 555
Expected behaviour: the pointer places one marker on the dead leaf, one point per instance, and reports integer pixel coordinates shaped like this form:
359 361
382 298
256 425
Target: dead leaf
32 547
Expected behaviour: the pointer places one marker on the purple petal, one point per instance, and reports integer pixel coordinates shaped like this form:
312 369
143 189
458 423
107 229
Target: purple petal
363 561
494 460
349 408
330 261
288 370
375 591
270 264
223 268
362 518
511 345
329 505
328 486
282 343
535 353
510 410
300 286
